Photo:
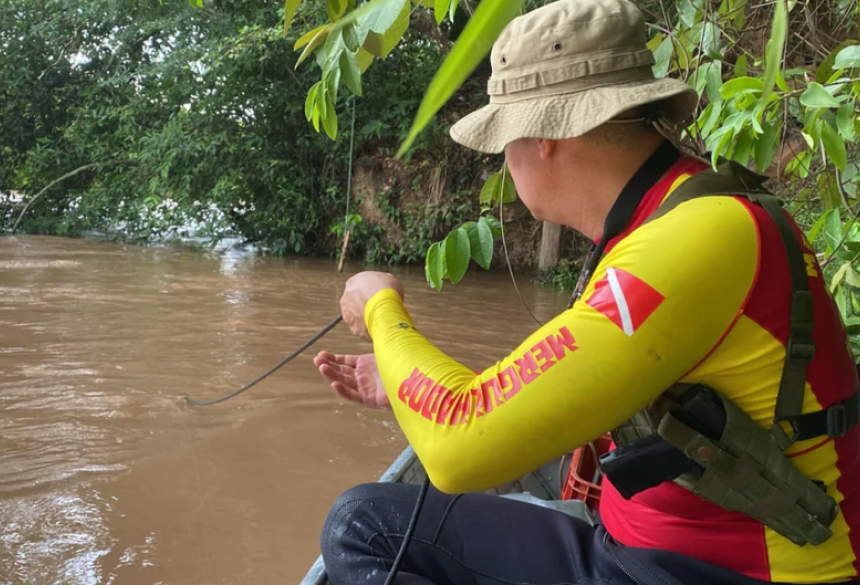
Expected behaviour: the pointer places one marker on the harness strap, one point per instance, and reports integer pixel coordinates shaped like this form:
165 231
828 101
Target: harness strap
732 179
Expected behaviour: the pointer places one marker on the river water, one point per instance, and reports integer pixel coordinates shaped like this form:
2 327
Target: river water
106 476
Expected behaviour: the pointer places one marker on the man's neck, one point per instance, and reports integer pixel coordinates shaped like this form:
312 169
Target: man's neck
608 178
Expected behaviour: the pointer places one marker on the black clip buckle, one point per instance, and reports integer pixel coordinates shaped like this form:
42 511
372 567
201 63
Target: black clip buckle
801 350
837 421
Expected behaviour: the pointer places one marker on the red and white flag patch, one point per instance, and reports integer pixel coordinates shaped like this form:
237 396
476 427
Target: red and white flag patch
625 299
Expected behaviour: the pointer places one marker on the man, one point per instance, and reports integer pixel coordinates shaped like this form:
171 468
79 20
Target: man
703 293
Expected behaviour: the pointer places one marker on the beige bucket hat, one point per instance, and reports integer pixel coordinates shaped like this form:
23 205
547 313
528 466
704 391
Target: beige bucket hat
566 68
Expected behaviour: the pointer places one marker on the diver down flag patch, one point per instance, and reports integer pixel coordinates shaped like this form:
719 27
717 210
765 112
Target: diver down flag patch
625 299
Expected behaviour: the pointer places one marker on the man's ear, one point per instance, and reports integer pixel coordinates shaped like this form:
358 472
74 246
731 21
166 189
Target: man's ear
546 148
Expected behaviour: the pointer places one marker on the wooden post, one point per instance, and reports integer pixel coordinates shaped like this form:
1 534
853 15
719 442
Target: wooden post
549 246
343 252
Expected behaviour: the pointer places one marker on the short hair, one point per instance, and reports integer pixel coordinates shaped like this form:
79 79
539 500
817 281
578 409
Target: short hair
625 128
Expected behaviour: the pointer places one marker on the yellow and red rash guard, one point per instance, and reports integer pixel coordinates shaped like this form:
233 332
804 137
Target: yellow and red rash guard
698 295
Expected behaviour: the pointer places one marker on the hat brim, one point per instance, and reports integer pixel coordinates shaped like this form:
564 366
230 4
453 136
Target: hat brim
557 117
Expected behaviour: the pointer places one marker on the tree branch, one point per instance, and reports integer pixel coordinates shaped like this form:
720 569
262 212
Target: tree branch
63 178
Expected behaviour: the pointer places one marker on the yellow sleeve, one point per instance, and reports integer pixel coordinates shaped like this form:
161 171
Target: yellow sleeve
657 305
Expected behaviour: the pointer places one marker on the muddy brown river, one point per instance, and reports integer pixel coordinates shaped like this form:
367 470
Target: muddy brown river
107 477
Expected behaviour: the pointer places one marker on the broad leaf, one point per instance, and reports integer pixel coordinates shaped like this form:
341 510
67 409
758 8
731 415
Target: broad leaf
851 276
740 85
441 9
816 96
481 243
816 227
382 44
311 100
825 70
834 146
350 73
433 269
663 57
365 59
743 147
775 44
832 230
330 119
712 47
383 16
314 44
845 121
839 277
290 7
457 253
509 193
335 9
309 36
490 189
476 40
765 145
848 58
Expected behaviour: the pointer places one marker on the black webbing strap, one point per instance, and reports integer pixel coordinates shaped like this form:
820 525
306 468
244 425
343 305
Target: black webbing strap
834 421
654 167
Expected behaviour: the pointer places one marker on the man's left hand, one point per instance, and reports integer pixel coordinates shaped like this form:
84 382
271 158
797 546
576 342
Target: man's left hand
358 291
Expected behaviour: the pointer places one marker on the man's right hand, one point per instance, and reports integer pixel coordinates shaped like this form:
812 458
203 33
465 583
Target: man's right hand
354 377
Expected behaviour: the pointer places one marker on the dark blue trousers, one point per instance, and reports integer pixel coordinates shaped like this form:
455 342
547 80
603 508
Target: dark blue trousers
480 539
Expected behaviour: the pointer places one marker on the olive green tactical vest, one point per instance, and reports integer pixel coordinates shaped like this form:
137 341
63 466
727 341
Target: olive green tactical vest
746 470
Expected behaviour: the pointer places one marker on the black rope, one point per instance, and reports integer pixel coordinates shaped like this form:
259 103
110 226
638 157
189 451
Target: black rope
271 370
413 522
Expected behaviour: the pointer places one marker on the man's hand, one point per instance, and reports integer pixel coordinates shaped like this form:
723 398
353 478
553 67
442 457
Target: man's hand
358 291
354 377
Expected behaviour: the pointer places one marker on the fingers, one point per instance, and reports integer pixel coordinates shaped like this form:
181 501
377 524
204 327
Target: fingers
335 375
343 363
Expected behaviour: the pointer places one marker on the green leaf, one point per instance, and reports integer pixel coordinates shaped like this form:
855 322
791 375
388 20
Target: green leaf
495 225
851 276
834 146
364 58
816 96
309 36
741 66
314 44
743 147
441 9
839 277
481 243
741 85
816 227
765 145
309 101
663 57
433 269
687 13
457 253
710 117
476 40
712 47
848 58
832 231
845 121
330 119
775 44
290 7
350 73
825 70
383 16
509 194
335 9
490 189
714 80
452 11
382 44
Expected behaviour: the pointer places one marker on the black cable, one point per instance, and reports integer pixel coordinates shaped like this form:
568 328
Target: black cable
271 370
413 522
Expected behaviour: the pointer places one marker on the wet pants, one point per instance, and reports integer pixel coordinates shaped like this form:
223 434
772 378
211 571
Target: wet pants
480 539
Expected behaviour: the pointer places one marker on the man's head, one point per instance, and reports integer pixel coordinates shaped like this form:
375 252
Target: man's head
571 94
